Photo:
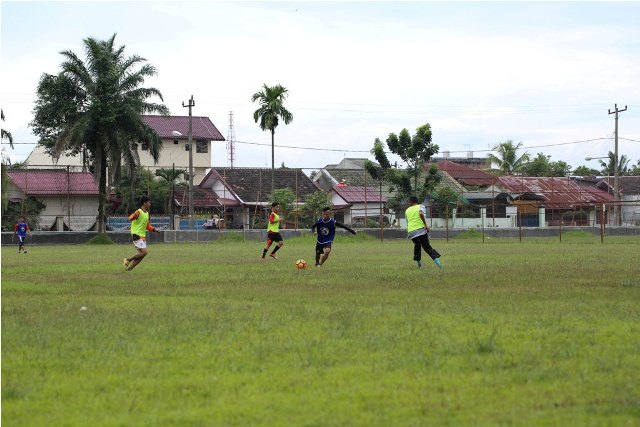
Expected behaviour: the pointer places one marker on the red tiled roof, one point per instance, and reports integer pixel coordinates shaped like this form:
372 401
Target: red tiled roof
467 175
357 194
54 182
201 127
561 193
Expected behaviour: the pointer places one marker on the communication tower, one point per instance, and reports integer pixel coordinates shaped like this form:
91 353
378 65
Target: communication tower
231 141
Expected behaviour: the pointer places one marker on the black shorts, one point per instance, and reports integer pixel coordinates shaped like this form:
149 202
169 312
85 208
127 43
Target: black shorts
274 237
320 247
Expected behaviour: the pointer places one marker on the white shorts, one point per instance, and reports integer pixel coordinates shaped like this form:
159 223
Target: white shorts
140 244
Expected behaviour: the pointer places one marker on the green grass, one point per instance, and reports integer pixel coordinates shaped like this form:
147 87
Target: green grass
204 334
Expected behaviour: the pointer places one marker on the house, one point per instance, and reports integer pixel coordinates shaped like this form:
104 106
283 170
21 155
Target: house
70 198
528 201
246 191
174 153
560 196
354 204
629 196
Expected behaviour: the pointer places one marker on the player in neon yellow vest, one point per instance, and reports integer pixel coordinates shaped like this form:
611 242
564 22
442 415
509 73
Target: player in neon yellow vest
139 227
418 232
273 232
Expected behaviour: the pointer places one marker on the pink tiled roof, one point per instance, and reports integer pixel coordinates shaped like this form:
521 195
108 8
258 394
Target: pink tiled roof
560 193
54 182
201 127
357 194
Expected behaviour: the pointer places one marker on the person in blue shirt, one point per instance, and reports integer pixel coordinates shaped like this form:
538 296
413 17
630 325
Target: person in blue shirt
21 230
325 228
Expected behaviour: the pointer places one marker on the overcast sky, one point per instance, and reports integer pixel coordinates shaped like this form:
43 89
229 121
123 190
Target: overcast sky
544 73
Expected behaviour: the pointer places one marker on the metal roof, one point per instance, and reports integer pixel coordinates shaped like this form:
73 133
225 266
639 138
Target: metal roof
360 194
558 192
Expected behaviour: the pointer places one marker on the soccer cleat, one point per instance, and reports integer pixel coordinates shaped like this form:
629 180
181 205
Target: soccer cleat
419 262
24 252
437 261
273 256
125 262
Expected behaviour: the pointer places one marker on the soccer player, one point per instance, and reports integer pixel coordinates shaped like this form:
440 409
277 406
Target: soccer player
418 232
139 226
325 228
21 230
273 231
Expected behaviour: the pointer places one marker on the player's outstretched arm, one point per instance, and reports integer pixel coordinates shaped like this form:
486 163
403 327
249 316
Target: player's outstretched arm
349 229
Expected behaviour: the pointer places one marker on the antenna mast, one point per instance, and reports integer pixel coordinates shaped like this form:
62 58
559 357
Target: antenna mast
231 140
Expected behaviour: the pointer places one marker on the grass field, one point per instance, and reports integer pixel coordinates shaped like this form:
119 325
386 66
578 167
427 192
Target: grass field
204 334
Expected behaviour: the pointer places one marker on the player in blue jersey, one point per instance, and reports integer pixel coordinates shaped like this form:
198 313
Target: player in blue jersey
21 230
325 228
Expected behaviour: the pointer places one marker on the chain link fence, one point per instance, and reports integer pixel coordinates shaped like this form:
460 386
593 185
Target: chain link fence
66 198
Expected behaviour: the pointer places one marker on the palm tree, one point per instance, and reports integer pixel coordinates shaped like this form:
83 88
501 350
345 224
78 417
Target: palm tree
609 167
5 133
109 122
171 176
507 158
271 110
5 177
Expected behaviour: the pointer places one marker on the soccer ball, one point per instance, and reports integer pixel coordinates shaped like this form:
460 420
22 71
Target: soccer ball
300 264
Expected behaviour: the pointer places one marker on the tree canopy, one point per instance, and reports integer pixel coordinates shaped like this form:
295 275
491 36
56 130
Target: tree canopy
507 158
271 111
94 107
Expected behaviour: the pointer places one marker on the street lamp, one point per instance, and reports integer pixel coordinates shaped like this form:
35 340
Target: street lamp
178 135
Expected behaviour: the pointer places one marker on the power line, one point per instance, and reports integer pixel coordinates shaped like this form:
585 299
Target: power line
368 151
459 151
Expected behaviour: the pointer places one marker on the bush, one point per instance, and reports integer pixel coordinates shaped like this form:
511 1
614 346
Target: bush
100 239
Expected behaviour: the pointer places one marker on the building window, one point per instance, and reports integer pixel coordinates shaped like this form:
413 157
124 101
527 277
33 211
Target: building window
202 146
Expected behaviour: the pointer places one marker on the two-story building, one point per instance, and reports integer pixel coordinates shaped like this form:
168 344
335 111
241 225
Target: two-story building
175 149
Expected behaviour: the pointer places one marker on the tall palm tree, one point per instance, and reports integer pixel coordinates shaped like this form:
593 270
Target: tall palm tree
5 133
5 177
609 167
109 122
271 110
507 158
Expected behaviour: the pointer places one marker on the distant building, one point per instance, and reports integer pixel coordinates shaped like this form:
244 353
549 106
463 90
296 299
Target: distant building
70 198
174 153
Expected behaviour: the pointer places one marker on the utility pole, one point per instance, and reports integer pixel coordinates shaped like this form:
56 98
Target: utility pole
616 172
190 105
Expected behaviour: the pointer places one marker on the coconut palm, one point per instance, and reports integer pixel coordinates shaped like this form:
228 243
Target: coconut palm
108 123
609 167
271 110
507 158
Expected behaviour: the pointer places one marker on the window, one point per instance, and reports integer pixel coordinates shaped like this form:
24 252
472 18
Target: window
202 146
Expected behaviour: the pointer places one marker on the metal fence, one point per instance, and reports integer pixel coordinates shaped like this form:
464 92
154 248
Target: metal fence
357 199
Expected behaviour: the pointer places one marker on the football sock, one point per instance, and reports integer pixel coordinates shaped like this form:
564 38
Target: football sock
264 252
437 261
275 250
